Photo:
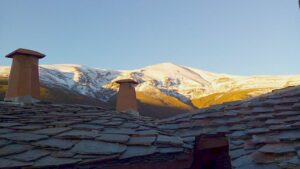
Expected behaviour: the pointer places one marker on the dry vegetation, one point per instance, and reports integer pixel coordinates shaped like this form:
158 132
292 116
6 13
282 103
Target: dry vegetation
159 105
219 98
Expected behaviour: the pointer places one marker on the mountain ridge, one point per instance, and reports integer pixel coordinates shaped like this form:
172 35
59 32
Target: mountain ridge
194 88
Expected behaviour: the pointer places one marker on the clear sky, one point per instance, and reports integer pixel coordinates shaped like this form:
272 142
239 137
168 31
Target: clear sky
228 36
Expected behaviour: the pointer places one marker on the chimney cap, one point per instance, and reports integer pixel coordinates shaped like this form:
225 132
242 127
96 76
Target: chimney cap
26 52
127 81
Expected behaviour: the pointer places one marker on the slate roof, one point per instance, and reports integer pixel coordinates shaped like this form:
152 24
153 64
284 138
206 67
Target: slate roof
48 135
263 132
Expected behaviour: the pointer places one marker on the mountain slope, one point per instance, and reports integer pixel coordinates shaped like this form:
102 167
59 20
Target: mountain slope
162 87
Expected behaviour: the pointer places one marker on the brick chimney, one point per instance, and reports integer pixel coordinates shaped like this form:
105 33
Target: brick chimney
126 99
24 74
211 151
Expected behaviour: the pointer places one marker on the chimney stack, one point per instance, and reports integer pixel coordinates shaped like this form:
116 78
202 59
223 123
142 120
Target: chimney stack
212 151
24 74
126 99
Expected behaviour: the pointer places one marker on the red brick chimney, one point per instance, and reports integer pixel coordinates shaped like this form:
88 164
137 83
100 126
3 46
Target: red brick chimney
24 74
126 99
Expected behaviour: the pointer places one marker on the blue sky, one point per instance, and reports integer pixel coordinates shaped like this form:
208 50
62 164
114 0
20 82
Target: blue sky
243 37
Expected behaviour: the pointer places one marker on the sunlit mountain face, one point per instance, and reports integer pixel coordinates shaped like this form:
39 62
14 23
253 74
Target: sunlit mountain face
164 89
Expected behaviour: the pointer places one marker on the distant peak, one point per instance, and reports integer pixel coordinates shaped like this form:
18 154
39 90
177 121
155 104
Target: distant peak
168 63
164 65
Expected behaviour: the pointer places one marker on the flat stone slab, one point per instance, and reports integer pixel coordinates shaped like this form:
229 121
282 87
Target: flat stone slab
64 123
188 146
141 140
87 127
277 149
79 134
8 124
170 150
28 127
98 147
4 131
234 154
287 113
260 166
62 154
30 155
8 117
13 149
53 161
52 131
98 159
257 130
169 126
171 140
262 110
188 133
289 135
264 139
275 121
116 138
189 139
294 161
135 151
265 158
130 125
241 161
280 127
4 142
113 123
126 131
100 121
55 143
236 142
7 163
237 134
238 127
147 132
24 136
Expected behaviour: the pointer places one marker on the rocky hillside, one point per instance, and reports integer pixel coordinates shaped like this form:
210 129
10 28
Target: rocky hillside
165 89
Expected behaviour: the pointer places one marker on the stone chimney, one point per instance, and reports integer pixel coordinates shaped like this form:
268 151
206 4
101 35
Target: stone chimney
24 75
126 100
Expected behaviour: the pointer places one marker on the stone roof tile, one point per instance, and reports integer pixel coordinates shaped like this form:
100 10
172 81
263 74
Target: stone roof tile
30 155
113 138
98 148
13 149
7 163
51 135
277 148
144 140
173 140
54 162
55 143
261 131
134 151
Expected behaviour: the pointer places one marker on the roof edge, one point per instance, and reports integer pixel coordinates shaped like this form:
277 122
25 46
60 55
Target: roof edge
26 52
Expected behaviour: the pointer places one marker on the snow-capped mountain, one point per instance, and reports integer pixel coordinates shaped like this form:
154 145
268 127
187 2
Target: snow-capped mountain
182 82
